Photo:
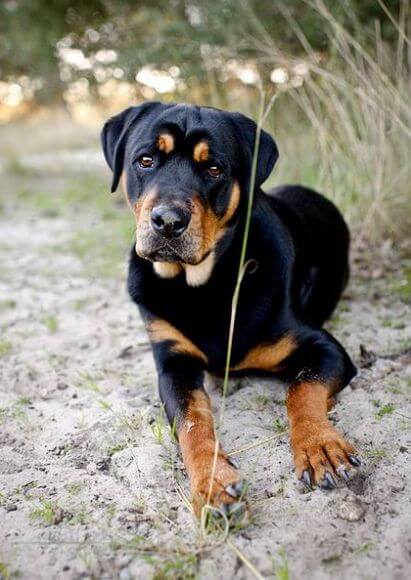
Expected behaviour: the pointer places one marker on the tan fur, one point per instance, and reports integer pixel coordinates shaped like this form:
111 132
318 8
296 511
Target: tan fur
201 152
198 445
165 143
317 446
142 211
199 274
160 330
206 226
167 269
267 357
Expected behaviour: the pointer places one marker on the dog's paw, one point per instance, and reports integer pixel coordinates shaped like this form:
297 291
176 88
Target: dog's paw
321 454
221 489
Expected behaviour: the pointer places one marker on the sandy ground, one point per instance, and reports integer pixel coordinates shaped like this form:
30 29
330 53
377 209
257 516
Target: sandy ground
91 483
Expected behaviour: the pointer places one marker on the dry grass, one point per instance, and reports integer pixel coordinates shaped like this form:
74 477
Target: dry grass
354 140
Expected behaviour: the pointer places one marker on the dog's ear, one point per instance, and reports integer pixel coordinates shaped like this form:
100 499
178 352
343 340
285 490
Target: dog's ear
267 150
115 132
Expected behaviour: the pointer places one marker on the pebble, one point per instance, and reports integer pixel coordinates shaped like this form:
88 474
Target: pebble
351 510
91 468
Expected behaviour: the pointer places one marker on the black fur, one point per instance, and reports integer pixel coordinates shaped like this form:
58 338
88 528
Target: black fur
298 240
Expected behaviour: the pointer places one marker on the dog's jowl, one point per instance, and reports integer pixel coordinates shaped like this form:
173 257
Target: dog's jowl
185 171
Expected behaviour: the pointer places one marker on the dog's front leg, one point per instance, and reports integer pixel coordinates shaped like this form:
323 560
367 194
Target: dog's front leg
320 452
180 365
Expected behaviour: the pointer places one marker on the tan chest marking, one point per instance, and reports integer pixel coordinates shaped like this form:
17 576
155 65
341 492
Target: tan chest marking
167 269
160 330
267 357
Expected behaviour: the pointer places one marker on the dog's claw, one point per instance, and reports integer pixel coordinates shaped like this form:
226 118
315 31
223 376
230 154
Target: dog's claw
231 490
236 509
306 478
223 508
342 472
233 462
328 482
354 460
236 489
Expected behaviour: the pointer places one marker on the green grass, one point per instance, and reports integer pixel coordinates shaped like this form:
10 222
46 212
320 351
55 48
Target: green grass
159 428
88 383
5 346
280 426
180 568
383 410
51 323
44 513
375 454
281 567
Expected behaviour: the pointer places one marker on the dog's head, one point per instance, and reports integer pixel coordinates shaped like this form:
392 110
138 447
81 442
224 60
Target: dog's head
185 171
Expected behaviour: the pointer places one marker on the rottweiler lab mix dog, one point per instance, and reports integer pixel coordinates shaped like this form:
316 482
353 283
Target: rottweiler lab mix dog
185 171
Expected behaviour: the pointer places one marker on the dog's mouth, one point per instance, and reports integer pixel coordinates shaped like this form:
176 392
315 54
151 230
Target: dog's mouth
165 252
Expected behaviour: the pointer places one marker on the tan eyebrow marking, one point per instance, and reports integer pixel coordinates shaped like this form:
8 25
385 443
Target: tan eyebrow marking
201 152
165 142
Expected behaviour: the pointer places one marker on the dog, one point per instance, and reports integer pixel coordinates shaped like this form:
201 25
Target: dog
186 173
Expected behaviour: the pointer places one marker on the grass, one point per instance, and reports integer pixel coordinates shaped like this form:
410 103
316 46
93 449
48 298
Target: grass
383 410
5 346
375 454
280 426
281 567
51 323
159 428
46 513
353 140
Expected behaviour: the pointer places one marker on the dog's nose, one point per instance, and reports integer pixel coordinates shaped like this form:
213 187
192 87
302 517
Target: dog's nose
168 221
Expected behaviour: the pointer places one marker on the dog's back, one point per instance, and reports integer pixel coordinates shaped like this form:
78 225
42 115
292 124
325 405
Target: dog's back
321 240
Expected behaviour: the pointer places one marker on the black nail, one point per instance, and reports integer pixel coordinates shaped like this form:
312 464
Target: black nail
233 462
236 509
223 509
240 488
232 490
328 481
305 478
344 474
354 460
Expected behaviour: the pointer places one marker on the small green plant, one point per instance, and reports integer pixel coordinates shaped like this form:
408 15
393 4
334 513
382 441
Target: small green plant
279 426
385 410
74 488
281 568
5 346
261 401
116 448
376 454
5 573
51 323
45 513
181 568
158 428
88 383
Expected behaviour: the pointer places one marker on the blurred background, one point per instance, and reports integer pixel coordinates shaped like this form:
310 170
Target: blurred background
341 71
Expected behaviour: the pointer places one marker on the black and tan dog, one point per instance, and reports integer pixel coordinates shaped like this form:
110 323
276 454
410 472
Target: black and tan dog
186 172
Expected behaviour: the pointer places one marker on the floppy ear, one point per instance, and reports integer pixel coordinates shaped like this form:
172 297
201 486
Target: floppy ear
114 137
267 149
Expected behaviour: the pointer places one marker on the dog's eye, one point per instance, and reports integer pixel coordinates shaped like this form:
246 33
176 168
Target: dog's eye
214 171
146 161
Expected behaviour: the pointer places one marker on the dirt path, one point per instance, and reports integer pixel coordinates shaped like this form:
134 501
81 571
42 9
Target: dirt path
91 484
